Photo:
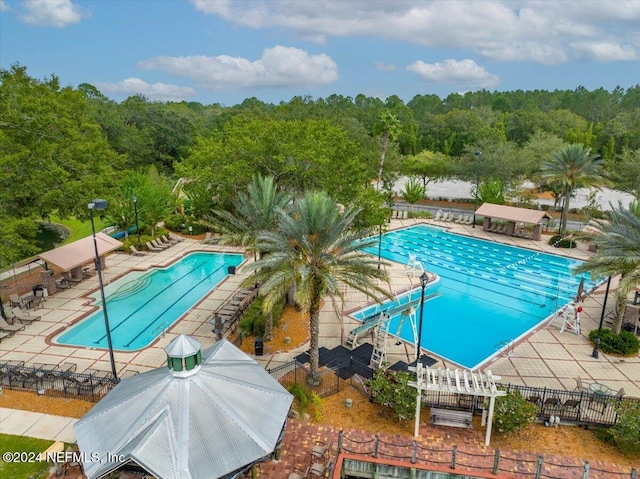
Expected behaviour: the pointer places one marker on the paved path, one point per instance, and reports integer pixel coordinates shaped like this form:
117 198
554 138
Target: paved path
35 424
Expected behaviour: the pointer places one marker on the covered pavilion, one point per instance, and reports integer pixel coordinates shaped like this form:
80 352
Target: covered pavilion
74 256
515 217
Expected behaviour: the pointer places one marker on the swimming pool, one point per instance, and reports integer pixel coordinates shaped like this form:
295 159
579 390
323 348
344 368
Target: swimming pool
141 305
489 294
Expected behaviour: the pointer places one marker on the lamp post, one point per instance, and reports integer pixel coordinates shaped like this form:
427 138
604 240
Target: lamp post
102 205
135 209
379 245
424 279
595 353
475 206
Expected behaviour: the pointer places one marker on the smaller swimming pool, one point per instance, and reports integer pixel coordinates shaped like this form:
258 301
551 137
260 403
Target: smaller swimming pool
141 305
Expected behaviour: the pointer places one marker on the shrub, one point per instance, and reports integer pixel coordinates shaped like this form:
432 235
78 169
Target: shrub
252 323
562 242
391 389
306 399
626 431
420 214
513 412
181 223
624 343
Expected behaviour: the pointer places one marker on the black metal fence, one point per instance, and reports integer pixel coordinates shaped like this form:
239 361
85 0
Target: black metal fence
57 381
580 408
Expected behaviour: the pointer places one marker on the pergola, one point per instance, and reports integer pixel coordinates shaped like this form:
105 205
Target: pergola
457 382
514 216
73 256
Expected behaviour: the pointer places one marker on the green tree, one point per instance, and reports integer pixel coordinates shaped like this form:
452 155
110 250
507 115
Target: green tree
573 167
626 172
413 192
314 250
491 191
154 199
428 165
617 243
513 411
388 127
254 211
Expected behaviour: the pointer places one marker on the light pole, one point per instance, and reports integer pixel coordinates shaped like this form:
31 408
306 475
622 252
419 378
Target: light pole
424 279
102 205
595 353
475 206
135 209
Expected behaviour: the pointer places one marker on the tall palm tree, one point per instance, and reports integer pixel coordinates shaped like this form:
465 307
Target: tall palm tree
254 211
617 252
572 167
388 127
315 249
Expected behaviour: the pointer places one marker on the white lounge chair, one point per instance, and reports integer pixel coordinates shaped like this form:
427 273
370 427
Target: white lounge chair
135 252
24 317
438 216
10 328
158 244
153 248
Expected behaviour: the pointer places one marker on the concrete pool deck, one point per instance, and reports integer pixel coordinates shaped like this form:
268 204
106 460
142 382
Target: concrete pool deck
545 358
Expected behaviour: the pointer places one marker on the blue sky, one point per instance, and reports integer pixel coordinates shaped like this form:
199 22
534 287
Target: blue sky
223 51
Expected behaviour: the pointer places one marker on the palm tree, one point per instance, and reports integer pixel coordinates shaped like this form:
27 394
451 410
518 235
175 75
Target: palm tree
315 249
572 167
414 191
254 211
617 252
388 127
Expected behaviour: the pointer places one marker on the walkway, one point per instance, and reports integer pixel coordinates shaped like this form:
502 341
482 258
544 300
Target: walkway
35 424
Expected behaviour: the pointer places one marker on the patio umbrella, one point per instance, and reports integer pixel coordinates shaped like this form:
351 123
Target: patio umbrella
580 290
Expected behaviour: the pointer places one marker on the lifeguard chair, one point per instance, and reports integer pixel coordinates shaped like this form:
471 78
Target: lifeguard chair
571 319
413 266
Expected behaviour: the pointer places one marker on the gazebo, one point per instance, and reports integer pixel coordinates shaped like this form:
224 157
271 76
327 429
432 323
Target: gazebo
206 415
73 256
514 216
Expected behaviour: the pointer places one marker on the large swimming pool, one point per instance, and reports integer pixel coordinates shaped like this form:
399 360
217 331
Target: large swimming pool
488 296
141 305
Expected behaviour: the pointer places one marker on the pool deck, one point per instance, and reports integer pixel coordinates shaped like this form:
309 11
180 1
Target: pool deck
545 358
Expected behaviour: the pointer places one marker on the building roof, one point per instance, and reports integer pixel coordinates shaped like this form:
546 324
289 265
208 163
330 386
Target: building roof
229 414
183 346
80 252
511 213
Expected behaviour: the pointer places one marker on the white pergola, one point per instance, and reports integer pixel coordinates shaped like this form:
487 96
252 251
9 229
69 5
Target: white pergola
457 382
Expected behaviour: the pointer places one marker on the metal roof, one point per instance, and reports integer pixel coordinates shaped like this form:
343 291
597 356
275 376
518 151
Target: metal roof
511 213
183 346
227 415
80 252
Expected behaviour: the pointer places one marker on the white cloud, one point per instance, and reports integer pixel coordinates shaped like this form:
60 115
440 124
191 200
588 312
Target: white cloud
385 67
278 67
50 13
154 91
605 51
523 30
4 7
464 73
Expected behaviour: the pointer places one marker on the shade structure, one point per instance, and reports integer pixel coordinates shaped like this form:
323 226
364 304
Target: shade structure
80 252
228 414
511 213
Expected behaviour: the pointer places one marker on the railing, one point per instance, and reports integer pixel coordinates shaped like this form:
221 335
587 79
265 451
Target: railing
57 382
411 454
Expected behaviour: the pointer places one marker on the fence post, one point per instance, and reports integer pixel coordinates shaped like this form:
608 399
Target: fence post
375 446
496 461
340 435
585 473
454 452
414 452
539 467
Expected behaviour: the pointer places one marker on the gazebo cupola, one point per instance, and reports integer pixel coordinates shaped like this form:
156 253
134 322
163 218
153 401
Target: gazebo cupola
184 356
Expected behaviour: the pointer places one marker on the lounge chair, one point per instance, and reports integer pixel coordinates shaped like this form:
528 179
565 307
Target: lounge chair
168 240
460 218
438 216
24 317
4 335
468 220
209 238
70 279
10 328
135 252
153 248
63 284
15 300
157 244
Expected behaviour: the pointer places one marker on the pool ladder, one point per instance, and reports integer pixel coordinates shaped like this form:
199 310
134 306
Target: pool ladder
507 345
161 330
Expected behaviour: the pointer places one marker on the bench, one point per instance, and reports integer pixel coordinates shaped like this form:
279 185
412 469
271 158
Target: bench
450 417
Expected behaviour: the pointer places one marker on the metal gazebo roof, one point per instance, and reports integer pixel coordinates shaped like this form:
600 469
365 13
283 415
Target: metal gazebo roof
228 414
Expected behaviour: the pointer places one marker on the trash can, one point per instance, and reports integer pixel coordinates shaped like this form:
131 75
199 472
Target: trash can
231 270
37 287
258 347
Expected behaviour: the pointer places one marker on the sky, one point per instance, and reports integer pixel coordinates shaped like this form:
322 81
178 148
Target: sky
223 51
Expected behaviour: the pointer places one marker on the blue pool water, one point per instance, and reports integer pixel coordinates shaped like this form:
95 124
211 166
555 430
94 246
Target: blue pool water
488 295
141 305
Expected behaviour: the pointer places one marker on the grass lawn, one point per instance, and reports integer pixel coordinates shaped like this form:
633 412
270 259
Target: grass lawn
78 229
23 470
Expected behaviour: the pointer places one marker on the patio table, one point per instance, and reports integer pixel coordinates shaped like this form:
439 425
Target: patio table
600 389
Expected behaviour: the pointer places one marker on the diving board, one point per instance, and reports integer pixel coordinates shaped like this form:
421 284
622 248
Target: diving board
458 382
381 320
